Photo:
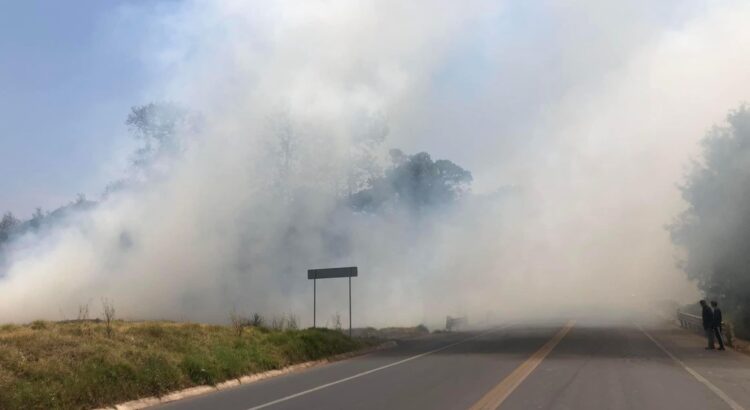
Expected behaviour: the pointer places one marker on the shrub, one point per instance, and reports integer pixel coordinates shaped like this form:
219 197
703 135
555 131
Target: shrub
292 323
257 321
38 325
108 310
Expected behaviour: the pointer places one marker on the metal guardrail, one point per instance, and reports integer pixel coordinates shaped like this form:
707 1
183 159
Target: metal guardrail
695 322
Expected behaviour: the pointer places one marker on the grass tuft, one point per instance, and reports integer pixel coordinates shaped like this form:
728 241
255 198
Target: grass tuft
77 365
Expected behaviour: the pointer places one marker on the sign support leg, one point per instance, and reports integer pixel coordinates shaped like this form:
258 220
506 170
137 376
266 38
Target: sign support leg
350 306
315 283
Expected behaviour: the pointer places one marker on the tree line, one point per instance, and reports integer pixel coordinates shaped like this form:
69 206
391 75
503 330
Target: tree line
714 230
162 131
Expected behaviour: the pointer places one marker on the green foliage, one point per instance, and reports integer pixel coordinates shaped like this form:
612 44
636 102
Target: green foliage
158 127
37 218
48 365
199 369
715 229
7 225
38 325
257 320
414 181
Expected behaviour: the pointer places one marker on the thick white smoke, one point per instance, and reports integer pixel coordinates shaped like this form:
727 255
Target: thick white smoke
587 111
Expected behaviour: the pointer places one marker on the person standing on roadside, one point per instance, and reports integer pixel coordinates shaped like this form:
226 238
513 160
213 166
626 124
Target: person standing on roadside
717 323
708 324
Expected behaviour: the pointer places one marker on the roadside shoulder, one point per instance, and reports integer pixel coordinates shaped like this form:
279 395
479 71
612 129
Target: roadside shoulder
252 378
728 370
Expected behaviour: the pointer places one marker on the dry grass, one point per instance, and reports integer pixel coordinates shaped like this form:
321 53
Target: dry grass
75 364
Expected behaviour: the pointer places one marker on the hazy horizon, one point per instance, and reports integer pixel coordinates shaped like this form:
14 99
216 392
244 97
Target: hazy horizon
577 123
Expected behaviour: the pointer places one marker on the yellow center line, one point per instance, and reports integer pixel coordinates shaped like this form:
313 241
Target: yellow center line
495 397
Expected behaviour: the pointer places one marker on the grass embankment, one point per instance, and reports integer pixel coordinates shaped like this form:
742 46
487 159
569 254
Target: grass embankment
50 365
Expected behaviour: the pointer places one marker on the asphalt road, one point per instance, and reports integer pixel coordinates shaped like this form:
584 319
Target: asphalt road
555 365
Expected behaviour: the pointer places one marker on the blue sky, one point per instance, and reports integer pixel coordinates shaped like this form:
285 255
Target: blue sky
70 71
66 84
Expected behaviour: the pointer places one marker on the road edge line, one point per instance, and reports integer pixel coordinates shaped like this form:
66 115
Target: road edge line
498 394
365 373
717 391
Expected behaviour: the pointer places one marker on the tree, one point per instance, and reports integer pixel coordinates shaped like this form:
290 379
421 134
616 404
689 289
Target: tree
7 225
364 152
414 181
283 149
158 127
714 230
37 218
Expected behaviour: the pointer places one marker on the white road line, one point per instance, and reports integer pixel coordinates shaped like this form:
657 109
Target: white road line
728 400
408 359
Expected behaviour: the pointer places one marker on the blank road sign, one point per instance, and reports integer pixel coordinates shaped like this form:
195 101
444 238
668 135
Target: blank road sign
346 272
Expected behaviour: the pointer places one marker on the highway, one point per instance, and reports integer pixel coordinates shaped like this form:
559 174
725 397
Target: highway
551 365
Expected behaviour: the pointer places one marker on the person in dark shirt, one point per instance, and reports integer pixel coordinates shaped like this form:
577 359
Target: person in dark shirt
708 324
717 323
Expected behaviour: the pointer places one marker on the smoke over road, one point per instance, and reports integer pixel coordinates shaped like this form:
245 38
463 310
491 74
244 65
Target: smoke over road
575 122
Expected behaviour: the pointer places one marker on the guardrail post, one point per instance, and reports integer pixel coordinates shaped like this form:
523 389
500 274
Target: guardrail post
729 334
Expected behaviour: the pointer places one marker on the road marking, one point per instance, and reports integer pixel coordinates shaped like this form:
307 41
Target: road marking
495 397
728 400
377 369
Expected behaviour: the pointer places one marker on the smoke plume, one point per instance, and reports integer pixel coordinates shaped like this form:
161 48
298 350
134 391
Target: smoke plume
575 121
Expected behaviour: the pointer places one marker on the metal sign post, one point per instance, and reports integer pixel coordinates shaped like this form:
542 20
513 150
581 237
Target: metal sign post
315 292
315 274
